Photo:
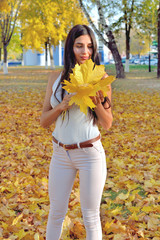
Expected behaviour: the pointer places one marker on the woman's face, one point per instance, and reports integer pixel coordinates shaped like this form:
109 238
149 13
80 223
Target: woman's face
83 48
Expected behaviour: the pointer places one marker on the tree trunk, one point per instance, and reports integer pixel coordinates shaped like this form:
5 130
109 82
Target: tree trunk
116 56
158 67
128 26
5 68
51 55
7 24
22 56
111 44
127 50
46 56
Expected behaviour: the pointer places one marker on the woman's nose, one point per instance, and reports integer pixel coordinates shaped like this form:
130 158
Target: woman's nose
84 49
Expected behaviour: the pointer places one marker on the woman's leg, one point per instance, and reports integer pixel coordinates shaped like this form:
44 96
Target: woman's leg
61 178
92 180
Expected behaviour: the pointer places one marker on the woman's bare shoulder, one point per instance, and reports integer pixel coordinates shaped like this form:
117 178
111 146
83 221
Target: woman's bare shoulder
53 76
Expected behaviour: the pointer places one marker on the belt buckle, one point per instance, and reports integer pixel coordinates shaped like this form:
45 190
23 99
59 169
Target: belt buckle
65 148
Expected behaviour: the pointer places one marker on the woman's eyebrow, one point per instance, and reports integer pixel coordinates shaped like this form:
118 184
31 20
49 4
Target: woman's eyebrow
83 43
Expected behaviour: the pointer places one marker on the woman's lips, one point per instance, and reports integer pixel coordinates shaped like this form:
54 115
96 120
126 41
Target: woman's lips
84 58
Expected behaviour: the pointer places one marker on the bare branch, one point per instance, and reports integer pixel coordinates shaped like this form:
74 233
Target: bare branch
15 18
10 21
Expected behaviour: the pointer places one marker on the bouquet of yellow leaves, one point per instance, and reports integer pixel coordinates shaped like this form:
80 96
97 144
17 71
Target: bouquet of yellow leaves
85 81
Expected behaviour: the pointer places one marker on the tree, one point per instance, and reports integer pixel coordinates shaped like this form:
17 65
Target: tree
139 43
128 9
126 15
45 23
105 29
14 48
146 16
121 15
147 20
8 16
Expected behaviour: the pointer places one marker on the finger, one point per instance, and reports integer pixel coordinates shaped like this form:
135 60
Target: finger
101 93
72 94
101 96
67 98
97 93
95 100
98 100
69 107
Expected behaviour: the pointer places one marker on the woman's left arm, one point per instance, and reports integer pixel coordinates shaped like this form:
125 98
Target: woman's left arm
104 114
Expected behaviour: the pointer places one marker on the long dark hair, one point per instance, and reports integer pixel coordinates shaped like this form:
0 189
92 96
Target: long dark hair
70 60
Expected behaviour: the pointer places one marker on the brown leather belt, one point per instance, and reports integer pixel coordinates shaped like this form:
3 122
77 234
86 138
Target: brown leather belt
81 145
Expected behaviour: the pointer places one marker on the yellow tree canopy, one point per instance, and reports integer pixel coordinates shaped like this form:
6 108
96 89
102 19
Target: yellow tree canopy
9 10
4 7
47 19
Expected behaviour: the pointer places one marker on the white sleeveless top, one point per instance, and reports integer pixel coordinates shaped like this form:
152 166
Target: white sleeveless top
76 127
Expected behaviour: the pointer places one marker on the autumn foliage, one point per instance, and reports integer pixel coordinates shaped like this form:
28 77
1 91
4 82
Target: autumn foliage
85 81
130 207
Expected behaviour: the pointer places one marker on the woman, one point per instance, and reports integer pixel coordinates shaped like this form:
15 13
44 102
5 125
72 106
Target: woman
76 141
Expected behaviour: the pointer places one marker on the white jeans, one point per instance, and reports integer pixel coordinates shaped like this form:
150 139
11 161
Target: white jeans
91 163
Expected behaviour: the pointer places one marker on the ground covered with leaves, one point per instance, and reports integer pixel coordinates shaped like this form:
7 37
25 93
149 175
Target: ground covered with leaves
130 206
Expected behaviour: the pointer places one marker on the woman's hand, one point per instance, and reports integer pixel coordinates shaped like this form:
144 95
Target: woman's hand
99 98
64 105
104 114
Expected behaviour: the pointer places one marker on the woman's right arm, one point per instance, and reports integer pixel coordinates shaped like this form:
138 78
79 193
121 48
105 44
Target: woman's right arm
49 114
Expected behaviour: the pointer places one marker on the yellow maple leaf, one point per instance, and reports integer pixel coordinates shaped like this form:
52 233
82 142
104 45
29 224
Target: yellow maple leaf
36 236
123 196
108 225
21 234
134 216
85 81
15 221
147 209
117 210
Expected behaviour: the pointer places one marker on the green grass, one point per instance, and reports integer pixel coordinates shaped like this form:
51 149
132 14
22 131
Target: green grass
142 69
138 79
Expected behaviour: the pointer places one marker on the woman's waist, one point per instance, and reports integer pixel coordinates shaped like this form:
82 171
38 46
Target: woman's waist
85 144
75 135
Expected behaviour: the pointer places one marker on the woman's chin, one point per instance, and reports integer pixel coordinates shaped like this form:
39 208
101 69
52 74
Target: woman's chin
82 61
